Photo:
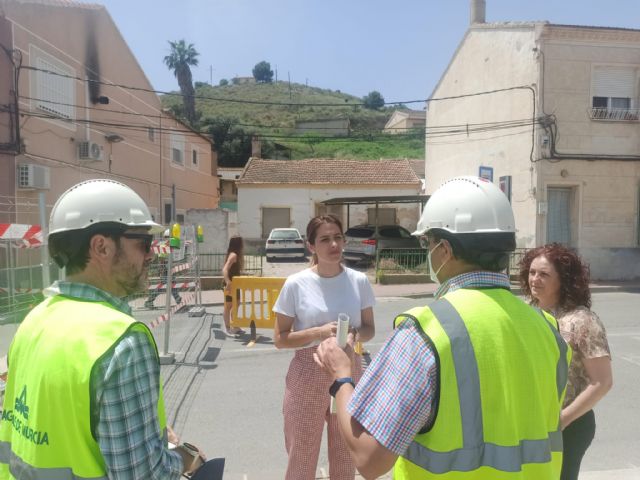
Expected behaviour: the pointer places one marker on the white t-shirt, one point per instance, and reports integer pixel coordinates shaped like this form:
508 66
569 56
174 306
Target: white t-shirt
314 300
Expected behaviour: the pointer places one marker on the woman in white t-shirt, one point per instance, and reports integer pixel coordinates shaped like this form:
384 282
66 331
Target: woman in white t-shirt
306 313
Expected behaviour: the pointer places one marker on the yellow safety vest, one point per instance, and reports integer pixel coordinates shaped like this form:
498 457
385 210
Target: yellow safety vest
47 426
502 377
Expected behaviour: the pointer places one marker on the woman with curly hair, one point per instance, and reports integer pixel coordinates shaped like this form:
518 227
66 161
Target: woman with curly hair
556 280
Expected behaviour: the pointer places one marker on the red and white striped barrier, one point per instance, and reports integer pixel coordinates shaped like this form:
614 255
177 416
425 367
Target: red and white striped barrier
160 246
183 266
179 286
187 298
20 290
27 236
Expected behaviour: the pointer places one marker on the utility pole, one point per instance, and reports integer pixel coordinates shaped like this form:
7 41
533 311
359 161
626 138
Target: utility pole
173 203
211 75
44 257
289 77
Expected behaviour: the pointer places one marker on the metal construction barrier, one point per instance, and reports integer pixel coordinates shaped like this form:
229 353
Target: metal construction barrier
402 260
22 277
253 301
174 278
514 262
212 263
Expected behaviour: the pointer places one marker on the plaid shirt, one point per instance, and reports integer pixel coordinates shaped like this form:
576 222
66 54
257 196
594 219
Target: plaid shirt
394 398
126 398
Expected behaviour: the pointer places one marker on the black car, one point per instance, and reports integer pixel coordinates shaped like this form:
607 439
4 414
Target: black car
360 244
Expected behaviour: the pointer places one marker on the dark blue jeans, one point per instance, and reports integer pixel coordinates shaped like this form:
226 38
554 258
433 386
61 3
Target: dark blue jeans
576 439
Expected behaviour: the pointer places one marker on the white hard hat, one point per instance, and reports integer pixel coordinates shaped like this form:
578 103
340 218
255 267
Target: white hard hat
467 205
100 201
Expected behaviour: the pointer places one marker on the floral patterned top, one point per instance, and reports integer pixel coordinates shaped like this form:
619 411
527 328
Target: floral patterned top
583 330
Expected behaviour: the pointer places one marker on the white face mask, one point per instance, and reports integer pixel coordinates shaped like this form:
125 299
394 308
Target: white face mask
434 274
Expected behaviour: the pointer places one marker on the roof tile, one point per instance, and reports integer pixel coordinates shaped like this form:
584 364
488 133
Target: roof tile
329 171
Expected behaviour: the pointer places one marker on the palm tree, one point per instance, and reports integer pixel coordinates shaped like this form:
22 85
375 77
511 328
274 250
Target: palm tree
183 56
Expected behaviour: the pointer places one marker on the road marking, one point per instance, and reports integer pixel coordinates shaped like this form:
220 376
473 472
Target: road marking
635 359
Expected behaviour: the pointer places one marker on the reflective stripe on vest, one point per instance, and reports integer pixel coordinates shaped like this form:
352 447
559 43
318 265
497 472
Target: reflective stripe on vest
475 452
21 469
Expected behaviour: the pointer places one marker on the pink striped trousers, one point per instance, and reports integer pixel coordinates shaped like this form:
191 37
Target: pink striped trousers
305 410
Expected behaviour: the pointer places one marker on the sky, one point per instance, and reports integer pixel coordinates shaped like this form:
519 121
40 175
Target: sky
399 48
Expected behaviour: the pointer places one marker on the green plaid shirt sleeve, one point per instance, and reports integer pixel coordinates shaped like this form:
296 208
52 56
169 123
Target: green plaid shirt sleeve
128 430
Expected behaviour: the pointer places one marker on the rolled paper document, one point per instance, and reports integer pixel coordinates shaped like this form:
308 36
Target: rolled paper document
343 329
341 338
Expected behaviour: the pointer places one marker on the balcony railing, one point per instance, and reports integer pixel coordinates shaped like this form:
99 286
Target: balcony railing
617 114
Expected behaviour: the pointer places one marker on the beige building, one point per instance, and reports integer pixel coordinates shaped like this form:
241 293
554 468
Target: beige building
550 112
402 121
85 109
228 188
288 193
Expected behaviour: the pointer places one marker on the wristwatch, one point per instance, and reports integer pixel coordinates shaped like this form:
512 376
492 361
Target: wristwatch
335 386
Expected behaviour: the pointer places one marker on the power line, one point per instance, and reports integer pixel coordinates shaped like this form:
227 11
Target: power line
436 131
258 102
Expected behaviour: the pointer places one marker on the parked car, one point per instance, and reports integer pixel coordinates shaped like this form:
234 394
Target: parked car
360 245
284 243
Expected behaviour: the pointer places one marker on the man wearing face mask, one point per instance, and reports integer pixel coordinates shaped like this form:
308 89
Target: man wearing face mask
470 386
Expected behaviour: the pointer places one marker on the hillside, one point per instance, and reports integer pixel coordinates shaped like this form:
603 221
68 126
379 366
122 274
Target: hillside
276 123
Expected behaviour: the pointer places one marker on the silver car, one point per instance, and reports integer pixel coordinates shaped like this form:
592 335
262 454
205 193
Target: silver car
360 245
284 243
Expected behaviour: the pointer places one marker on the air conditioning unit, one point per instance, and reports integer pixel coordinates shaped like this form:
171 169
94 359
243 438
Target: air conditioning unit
90 151
33 176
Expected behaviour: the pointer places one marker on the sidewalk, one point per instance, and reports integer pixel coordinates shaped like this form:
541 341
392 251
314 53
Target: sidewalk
426 290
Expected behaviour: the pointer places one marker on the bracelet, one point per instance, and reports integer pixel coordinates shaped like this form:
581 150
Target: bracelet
335 386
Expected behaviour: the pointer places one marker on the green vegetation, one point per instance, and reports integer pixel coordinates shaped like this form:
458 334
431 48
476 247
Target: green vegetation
182 57
276 123
262 72
373 100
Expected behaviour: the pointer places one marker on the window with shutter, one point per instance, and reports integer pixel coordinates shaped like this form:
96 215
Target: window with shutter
52 85
177 149
614 93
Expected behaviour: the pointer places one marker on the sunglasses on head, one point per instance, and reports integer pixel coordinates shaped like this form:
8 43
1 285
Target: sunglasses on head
147 239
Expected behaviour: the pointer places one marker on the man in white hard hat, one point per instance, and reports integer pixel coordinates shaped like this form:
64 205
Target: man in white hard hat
471 386
84 397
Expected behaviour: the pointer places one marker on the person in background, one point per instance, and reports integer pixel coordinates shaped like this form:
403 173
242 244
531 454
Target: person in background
162 274
469 386
83 397
306 313
556 280
233 264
